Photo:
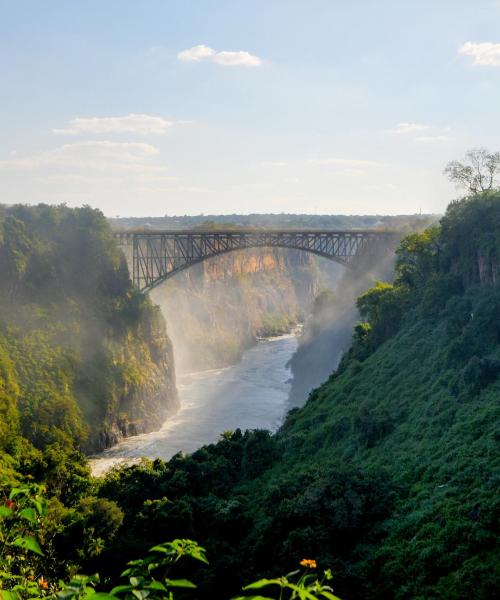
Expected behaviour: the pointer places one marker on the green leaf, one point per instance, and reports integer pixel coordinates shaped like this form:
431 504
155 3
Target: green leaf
40 506
5 512
253 598
103 596
303 593
15 492
29 514
6 595
120 589
262 583
28 543
155 585
180 583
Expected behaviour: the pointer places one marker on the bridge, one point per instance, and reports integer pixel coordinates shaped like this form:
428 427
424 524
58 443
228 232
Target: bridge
159 255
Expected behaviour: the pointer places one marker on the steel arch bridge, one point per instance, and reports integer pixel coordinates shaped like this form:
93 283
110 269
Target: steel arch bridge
159 255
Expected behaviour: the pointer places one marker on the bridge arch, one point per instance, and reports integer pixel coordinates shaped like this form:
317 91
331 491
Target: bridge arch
159 255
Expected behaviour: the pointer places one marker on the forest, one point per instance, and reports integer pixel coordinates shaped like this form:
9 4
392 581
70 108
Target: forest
384 485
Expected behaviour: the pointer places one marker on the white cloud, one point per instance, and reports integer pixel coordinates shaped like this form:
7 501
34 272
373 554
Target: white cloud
343 162
92 155
196 53
73 179
408 128
234 59
228 58
431 139
483 53
137 124
273 163
192 189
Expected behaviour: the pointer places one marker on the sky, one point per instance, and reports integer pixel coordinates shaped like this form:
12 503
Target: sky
159 107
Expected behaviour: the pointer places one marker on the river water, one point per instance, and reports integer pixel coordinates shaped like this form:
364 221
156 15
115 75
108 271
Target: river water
252 394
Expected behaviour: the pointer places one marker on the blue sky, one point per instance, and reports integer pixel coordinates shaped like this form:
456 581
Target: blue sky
187 107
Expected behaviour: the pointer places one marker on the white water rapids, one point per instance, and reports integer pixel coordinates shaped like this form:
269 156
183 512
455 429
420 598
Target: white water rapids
252 394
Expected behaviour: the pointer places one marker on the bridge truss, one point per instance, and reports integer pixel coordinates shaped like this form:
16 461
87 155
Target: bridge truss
159 255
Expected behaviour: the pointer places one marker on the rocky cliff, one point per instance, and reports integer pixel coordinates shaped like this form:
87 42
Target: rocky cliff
84 356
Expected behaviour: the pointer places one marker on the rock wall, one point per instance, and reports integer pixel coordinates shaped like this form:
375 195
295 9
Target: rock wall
143 393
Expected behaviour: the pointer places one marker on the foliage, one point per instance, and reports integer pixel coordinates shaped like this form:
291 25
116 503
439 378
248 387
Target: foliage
389 473
21 529
22 558
78 344
308 587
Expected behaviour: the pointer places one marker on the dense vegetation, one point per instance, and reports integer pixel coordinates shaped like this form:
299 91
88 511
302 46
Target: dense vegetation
83 357
389 475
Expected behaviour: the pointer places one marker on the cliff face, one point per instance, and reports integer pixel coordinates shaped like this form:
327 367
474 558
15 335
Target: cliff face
86 355
217 309
141 392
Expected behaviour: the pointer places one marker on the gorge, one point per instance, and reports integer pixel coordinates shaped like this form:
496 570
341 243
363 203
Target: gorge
394 454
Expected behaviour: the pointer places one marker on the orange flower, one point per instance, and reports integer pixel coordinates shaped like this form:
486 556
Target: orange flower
308 563
10 504
43 583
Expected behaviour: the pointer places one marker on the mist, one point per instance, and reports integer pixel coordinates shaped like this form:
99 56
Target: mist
218 309
327 333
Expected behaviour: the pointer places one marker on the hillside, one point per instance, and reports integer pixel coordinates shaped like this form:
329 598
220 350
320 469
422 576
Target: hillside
389 474
84 359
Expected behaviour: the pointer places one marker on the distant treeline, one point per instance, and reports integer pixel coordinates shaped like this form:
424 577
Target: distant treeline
399 222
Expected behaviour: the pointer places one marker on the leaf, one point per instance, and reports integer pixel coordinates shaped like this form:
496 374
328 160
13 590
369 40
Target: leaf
155 585
302 592
102 596
5 512
119 589
262 583
253 598
15 492
40 506
162 550
28 543
29 514
6 595
180 583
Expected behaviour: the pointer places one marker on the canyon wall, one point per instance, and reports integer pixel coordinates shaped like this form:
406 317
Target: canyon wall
218 308
84 357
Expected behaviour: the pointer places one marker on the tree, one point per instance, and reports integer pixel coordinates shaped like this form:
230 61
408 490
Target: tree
477 172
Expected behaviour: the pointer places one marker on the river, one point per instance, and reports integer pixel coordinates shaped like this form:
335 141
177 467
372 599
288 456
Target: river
252 394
